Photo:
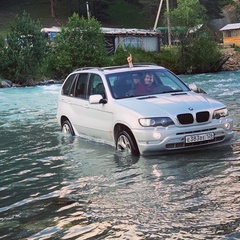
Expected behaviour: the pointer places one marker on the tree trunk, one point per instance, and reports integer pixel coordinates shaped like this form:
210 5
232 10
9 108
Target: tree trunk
52 2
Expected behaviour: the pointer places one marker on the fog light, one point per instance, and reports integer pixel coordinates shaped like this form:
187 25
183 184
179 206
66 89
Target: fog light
156 135
227 125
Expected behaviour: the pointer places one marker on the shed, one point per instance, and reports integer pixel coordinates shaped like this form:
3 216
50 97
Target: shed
231 34
51 32
147 40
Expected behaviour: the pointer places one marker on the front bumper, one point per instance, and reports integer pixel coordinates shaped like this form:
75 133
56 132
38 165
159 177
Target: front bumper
174 138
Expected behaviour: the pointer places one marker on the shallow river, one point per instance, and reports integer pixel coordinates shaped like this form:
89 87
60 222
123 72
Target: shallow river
58 187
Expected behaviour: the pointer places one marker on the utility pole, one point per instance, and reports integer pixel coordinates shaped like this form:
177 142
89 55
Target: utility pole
168 20
158 14
88 14
168 24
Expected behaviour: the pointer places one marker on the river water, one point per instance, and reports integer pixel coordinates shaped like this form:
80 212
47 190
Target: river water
57 187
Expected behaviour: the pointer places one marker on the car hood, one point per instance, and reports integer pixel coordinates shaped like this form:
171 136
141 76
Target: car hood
171 103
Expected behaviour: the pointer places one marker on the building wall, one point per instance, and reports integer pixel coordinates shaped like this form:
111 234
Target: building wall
231 37
147 43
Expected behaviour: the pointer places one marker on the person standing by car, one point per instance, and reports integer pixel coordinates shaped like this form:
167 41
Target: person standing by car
147 86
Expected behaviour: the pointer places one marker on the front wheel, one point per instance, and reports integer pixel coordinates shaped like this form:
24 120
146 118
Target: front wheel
67 128
126 143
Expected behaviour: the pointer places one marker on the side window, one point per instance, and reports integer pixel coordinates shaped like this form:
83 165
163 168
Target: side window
96 86
81 85
68 85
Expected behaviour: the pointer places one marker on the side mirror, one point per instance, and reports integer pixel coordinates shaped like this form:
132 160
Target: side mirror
97 99
196 89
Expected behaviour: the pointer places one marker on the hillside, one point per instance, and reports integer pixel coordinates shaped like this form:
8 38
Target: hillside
37 9
118 14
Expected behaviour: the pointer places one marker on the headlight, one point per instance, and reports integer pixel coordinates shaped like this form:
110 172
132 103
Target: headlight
217 114
156 121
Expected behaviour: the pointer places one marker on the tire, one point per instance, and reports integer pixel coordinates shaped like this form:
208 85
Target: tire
67 128
126 143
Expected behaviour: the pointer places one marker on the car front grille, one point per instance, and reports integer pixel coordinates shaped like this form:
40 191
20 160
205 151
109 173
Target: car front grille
187 118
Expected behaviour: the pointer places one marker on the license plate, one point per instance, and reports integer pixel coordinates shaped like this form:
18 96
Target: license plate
199 137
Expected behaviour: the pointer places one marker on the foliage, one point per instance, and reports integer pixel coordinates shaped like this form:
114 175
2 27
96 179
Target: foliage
169 58
188 14
193 56
165 57
139 55
200 54
80 44
213 7
190 57
21 60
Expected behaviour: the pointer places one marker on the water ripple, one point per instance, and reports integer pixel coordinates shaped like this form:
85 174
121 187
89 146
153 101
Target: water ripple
58 187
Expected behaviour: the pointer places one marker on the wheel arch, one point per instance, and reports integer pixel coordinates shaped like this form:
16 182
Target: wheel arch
119 127
62 119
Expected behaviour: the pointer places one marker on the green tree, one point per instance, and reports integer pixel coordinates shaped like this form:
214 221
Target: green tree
21 60
198 52
200 55
213 7
80 44
188 14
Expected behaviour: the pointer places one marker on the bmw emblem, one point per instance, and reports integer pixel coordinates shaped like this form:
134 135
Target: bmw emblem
190 108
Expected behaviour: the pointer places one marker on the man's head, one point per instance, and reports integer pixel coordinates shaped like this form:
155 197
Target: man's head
148 80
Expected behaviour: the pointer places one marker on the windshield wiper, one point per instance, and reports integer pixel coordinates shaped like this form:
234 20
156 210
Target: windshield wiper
146 97
171 91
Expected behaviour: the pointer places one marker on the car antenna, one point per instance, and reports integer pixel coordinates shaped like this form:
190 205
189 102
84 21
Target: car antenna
129 59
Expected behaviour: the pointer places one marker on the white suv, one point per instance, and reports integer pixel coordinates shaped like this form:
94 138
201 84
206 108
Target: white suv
144 109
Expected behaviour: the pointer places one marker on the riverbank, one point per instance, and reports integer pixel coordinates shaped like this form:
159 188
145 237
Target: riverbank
233 62
4 83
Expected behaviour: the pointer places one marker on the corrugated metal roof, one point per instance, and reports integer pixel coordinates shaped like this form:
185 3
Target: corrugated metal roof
231 26
128 31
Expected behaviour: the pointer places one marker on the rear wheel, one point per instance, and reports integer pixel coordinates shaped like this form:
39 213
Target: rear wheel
126 143
67 128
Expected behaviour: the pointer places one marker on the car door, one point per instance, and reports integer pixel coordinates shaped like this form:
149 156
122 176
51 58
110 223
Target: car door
99 117
65 98
78 103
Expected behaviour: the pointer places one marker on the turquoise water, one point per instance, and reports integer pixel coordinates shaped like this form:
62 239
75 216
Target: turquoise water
58 187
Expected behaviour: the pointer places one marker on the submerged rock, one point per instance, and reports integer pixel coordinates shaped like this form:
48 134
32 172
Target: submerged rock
4 83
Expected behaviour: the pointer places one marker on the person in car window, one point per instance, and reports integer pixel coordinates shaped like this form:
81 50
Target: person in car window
147 86
135 83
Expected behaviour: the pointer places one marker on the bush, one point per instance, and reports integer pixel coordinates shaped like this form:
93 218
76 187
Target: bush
139 56
80 44
166 57
22 58
200 54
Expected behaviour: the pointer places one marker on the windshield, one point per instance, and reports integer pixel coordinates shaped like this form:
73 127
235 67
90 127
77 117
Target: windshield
144 82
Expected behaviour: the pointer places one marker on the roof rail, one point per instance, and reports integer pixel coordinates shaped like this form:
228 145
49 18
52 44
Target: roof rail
127 66
144 64
85 68
116 67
